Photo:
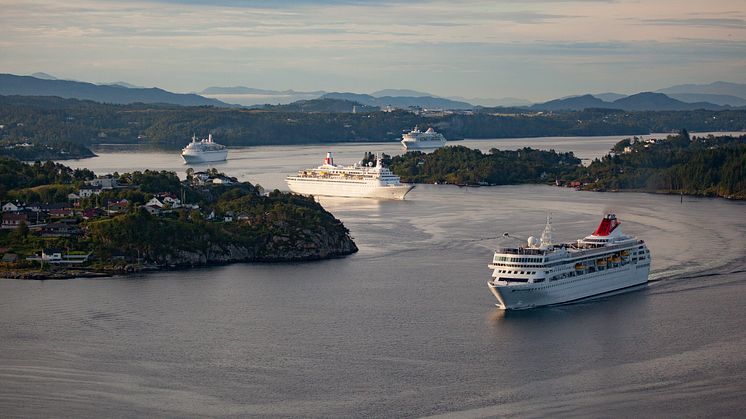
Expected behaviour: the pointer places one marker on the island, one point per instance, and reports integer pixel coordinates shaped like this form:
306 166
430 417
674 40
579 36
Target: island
459 165
713 166
36 150
63 223
710 165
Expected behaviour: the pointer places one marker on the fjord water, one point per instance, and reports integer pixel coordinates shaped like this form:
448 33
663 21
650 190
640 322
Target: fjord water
405 327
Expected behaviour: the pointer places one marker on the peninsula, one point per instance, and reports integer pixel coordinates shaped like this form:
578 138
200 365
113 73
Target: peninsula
58 222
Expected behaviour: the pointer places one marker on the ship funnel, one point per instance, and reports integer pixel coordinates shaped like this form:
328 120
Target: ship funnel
329 160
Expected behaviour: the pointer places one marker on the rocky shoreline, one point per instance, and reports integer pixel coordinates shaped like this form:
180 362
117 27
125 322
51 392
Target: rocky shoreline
184 260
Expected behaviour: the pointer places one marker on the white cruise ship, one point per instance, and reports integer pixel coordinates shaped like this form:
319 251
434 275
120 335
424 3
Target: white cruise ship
544 273
356 181
418 140
204 151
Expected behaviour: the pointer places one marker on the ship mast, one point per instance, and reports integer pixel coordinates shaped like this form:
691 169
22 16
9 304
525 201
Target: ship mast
546 235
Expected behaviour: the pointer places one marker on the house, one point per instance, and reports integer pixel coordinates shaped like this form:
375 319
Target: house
106 182
13 220
92 213
154 209
61 212
90 190
201 178
56 256
118 206
9 258
73 197
224 180
59 230
154 202
12 207
51 255
170 200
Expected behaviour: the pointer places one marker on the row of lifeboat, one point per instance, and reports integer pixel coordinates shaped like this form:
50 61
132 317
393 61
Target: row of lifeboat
603 262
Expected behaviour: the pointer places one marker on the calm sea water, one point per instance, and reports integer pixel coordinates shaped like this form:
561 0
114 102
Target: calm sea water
406 327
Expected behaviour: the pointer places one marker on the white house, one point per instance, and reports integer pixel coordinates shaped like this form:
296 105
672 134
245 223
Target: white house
88 191
173 202
11 207
103 182
154 202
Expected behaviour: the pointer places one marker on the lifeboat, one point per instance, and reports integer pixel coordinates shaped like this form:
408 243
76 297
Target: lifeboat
616 259
579 266
625 253
601 262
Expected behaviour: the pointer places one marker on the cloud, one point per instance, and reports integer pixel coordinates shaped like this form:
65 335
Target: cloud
449 47
699 22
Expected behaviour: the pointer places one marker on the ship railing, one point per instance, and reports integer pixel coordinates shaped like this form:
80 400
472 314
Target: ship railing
520 251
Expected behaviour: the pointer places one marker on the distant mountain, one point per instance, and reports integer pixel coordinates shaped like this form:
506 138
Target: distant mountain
609 97
44 76
122 84
649 101
723 100
489 102
645 101
716 88
249 96
400 92
400 101
575 103
321 105
243 90
31 86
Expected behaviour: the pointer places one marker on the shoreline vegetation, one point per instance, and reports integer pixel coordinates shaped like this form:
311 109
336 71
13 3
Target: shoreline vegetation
50 120
60 223
679 164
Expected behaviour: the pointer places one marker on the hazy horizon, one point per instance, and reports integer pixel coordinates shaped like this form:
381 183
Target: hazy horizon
535 50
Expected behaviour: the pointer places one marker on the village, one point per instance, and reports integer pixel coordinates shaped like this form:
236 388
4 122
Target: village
66 220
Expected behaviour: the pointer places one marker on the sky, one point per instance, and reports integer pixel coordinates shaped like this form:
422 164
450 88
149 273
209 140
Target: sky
532 49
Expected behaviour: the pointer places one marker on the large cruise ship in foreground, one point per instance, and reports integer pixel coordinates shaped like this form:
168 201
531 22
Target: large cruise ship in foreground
544 273
350 181
204 151
418 140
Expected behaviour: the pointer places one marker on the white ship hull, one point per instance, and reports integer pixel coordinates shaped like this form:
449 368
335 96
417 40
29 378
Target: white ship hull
350 189
529 295
422 145
204 156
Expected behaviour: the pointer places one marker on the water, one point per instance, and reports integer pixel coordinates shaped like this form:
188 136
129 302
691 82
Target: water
405 327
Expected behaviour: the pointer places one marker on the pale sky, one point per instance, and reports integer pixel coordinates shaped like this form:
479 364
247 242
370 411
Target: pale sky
533 49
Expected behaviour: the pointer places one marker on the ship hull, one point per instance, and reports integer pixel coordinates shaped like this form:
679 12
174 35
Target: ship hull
345 189
529 295
422 145
205 157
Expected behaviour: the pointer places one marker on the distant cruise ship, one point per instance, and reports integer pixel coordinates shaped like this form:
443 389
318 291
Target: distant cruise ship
544 273
350 181
418 140
204 151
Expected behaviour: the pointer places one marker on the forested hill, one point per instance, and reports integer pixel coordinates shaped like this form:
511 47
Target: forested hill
707 166
50 119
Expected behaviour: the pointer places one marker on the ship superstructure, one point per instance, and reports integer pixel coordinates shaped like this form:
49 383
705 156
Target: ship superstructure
544 273
204 151
418 140
358 180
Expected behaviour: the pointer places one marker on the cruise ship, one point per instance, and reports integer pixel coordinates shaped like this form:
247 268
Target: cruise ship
204 151
418 140
356 181
544 273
